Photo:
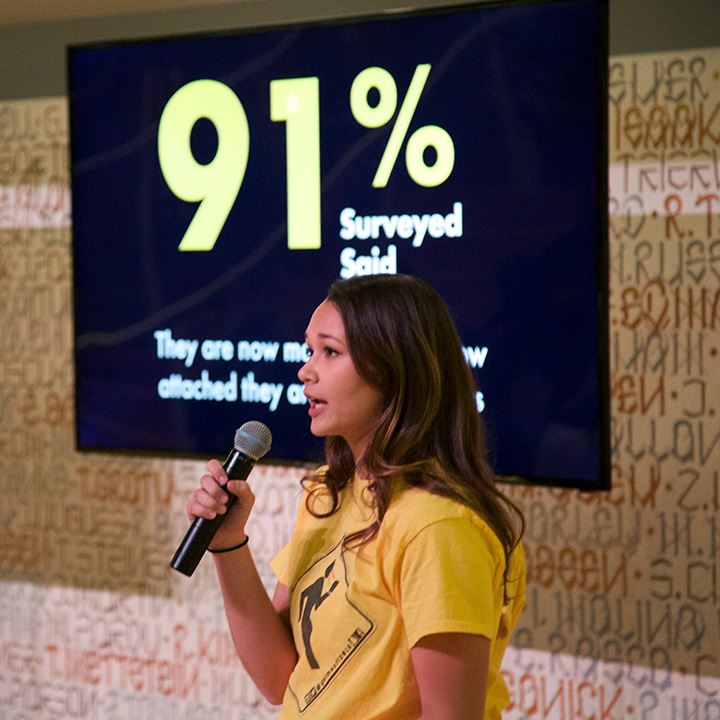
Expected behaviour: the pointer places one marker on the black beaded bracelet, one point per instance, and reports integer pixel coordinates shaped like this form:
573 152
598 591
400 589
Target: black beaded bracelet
234 547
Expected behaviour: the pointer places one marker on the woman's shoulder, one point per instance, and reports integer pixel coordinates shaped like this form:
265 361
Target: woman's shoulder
418 502
316 476
317 494
414 510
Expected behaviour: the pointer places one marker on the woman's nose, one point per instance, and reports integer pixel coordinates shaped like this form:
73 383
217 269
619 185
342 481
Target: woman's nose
304 372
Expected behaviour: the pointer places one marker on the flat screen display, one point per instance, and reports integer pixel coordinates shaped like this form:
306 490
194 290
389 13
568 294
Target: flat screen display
221 183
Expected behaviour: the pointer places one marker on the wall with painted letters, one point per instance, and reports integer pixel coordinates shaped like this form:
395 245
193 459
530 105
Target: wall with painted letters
623 608
622 617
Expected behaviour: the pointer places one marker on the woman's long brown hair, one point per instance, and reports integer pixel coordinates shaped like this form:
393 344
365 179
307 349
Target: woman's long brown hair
403 342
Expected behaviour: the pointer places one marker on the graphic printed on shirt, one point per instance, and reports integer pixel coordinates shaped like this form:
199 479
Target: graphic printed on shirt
323 602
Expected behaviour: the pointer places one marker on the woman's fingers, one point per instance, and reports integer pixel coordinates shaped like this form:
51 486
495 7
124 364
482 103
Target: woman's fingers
211 498
216 469
210 487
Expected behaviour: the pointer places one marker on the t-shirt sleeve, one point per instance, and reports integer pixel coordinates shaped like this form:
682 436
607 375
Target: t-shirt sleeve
279 565
283 563
451 580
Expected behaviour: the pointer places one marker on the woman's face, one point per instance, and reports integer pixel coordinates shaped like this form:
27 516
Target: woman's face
341 402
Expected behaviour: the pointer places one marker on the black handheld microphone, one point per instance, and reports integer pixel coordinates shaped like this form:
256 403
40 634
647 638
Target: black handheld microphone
252 441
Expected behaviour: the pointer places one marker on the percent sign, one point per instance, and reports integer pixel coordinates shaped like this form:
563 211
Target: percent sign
423 138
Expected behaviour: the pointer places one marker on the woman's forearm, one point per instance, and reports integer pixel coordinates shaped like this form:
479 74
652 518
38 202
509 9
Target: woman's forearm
262 638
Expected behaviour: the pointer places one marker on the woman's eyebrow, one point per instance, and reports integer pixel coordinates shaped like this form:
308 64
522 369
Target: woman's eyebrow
325 336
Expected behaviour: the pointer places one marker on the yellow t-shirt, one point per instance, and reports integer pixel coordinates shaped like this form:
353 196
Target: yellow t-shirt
434 567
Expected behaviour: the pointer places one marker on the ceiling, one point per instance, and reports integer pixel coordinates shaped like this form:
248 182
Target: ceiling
17 12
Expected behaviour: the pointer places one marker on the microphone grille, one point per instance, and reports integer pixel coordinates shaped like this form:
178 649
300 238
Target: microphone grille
254 439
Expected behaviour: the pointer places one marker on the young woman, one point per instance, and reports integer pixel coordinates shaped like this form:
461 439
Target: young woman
404 576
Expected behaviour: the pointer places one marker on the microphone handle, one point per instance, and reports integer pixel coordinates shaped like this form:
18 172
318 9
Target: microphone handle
201 532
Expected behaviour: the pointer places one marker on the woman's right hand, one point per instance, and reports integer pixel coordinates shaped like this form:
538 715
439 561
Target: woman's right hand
210 500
